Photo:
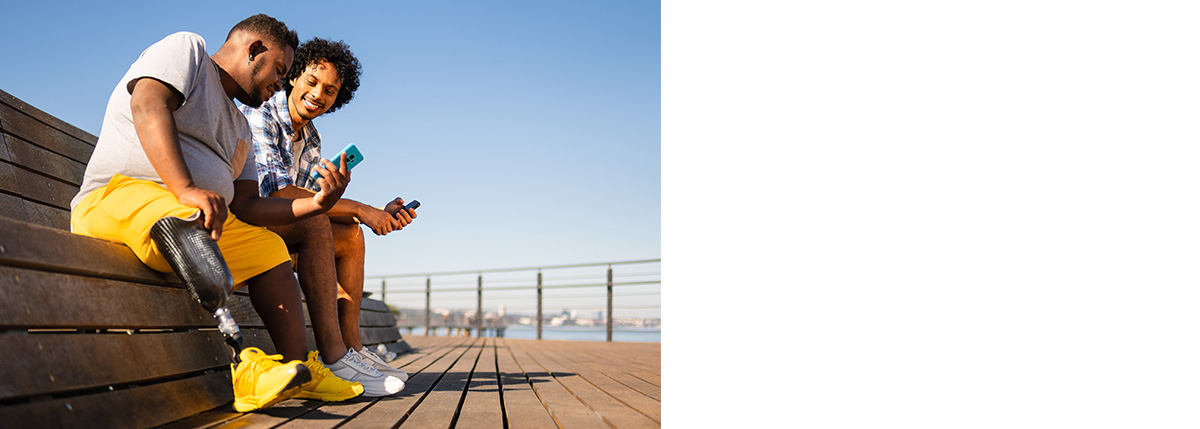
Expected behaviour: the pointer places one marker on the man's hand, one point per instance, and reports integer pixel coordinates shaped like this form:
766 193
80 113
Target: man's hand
380 222
396 209
333 182
209 202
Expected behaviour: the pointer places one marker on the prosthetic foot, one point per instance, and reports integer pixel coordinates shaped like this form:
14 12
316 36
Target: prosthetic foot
194 256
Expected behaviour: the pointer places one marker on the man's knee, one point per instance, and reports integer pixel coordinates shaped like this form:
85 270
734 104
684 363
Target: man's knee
310 230
348 239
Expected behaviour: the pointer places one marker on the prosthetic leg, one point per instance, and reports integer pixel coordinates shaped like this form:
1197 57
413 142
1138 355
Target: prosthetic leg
194 256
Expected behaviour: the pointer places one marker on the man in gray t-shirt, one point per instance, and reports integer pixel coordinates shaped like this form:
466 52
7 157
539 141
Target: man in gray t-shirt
174 145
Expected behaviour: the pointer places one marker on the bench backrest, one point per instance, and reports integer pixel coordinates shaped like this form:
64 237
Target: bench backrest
42 160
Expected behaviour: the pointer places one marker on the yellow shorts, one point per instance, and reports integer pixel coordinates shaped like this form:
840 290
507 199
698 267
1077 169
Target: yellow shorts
126 208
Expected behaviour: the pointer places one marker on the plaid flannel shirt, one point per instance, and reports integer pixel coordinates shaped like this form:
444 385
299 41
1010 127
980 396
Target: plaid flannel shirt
271 126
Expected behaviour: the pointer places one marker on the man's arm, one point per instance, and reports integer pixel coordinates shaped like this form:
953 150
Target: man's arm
265 211
153 104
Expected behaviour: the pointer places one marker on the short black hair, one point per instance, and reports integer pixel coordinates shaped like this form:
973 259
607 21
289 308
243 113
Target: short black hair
336 53
265 25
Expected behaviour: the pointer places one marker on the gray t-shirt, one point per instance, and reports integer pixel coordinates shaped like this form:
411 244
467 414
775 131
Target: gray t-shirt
213 135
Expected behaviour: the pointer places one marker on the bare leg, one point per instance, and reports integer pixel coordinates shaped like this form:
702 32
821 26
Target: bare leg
313 240
349 251
276 298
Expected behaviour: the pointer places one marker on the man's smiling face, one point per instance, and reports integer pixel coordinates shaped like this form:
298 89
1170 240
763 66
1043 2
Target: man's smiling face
314 91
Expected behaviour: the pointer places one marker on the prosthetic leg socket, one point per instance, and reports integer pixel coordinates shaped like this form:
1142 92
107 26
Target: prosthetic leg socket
192 253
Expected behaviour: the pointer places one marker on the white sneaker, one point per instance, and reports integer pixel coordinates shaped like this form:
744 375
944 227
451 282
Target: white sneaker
351 367
381 365
384 353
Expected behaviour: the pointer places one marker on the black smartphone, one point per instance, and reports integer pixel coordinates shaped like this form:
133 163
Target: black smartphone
412 204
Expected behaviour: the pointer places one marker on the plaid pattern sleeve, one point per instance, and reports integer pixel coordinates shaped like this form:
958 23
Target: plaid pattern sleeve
272 144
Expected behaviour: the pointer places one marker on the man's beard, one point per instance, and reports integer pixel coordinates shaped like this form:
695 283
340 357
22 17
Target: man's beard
252 99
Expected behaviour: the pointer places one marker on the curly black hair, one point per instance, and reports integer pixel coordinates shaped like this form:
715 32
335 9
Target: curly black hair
265 25
336 53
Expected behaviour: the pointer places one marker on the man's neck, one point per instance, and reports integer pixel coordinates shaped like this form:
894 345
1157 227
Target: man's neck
228 84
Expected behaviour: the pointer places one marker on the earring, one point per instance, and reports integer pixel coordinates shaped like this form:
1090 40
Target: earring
249 59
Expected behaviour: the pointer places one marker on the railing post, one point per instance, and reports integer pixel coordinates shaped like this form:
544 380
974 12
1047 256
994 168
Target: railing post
383 292
479 307
610 315
428 311
539 313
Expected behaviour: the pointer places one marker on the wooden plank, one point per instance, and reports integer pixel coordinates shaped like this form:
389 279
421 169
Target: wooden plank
440 405
20 124
38 364
4 154
481 407
59 124
564 407
641 360
142 406
647 406
34 186
631 361
39 247
378 335
13 207
617 372
43 161
376 319
614 412
374 305
93 303
390 410
44 215
207 419
522 407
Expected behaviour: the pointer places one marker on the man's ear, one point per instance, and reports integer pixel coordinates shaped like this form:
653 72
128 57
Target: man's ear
256 47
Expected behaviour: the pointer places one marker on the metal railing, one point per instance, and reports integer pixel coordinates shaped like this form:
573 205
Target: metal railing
635 283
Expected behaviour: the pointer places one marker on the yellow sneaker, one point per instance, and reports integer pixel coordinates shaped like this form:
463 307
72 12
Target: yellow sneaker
324 385
261 380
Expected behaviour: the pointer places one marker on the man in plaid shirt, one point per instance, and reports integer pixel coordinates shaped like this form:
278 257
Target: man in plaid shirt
287 147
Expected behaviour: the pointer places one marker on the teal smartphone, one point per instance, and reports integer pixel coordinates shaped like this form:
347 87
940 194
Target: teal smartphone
353 157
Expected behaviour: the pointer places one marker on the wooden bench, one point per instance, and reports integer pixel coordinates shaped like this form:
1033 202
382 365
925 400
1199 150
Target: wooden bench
89 336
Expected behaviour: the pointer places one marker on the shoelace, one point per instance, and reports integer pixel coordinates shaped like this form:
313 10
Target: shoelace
321 371
357 360
255 359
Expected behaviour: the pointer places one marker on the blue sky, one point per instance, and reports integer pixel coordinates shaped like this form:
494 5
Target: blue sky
529 130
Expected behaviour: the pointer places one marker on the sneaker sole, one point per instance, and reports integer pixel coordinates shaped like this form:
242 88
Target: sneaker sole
381 393
288 391
335 397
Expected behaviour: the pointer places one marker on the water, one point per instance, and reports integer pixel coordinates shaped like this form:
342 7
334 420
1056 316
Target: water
576 333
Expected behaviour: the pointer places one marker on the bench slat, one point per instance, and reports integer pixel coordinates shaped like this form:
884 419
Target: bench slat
375 305
36 187
375 319
12 207
38 159
44 215
39 299
379 335
44 248
19 123
142 406
58 124
38 364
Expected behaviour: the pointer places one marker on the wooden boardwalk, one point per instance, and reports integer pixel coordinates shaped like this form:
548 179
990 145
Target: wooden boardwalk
489 383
